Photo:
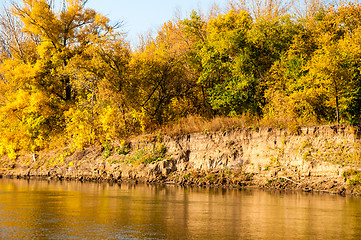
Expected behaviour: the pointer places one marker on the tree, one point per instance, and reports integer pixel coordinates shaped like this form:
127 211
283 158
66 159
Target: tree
101 79
163 80
225 63
38 84
333 67
236 57
335 72
62 36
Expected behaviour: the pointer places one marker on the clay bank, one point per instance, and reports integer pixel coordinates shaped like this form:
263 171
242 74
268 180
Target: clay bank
325 159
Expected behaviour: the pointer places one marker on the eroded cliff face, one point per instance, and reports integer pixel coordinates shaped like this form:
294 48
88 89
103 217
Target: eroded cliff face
314 158
312 151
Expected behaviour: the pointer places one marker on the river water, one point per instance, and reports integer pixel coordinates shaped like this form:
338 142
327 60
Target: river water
73 210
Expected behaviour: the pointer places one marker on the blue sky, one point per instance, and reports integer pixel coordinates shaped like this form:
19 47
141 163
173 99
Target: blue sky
140 16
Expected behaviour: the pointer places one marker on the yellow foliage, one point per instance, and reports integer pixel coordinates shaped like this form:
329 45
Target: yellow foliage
24 122
79 128
109 122
288 111
225 29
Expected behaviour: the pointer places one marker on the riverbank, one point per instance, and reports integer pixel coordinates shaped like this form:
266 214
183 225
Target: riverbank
325 158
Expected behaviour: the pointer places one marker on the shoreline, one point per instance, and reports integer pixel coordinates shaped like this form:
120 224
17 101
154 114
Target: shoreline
201 179
287 186
315 159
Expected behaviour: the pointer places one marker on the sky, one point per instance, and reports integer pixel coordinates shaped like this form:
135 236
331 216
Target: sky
142 16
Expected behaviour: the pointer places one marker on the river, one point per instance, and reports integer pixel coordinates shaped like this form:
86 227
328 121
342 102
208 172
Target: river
73 210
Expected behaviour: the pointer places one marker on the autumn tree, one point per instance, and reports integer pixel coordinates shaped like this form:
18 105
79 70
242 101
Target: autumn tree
102 83
162 83
63 35
42 65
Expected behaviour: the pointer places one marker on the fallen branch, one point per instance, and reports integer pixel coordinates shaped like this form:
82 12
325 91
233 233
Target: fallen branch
290 180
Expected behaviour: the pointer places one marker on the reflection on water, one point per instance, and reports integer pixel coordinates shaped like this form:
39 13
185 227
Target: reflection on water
68 210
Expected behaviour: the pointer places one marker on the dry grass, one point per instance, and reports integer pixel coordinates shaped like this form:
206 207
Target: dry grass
292 125
192 124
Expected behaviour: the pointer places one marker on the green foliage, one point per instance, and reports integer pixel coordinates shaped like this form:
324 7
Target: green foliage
107 150
186 176
147 155
352 176
350 172
123 148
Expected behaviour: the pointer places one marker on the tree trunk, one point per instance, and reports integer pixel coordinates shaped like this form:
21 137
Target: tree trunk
67 89
337 110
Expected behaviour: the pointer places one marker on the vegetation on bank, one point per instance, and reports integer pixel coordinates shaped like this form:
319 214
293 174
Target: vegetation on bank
69 78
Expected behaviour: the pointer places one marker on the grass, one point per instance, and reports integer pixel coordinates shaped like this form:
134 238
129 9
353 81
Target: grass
194 123
146 155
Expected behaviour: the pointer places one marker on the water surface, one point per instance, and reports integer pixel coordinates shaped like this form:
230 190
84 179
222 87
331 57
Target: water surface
71 210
